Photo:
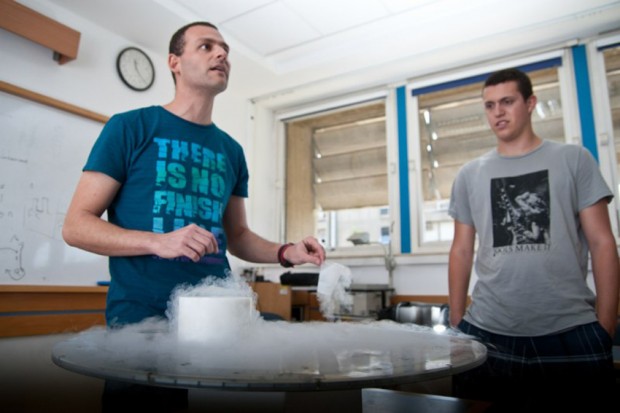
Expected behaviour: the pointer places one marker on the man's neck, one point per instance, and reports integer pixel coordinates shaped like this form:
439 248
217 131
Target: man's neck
192 107
520 146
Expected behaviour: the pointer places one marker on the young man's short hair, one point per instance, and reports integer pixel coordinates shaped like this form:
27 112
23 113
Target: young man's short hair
524 84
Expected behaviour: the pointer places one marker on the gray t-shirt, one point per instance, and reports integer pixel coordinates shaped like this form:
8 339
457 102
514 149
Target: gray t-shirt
532 255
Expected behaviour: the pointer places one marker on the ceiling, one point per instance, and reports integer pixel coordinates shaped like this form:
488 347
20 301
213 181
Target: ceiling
322 39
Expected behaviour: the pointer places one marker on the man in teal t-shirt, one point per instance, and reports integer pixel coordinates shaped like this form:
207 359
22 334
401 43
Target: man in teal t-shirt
174 173
173 185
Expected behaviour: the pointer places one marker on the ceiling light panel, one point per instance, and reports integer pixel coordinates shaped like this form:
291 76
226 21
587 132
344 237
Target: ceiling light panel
397 6
218 11
271 28
329 16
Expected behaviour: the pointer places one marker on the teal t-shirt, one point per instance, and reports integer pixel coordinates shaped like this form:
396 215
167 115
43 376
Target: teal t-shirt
172 173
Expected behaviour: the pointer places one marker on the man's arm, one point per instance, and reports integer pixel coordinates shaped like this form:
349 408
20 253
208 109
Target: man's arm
84 228
459 269
249 246
597 229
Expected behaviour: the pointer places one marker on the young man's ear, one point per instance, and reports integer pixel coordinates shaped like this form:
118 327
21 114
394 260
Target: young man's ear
531 103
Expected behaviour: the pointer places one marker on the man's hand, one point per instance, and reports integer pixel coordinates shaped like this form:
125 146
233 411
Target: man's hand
308 250
192 241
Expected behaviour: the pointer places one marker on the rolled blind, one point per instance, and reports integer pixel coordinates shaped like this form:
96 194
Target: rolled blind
350 165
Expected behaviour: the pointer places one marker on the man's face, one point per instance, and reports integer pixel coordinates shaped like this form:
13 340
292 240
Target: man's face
508 114
204 62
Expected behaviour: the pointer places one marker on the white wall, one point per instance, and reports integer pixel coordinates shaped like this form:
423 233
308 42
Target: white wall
91 81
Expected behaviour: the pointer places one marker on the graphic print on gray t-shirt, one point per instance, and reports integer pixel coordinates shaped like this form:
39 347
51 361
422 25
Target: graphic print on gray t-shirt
520 206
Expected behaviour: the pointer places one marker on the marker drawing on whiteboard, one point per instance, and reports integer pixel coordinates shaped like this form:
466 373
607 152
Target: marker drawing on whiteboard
38 215
11 259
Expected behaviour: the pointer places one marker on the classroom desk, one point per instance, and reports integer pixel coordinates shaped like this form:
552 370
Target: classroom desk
351 357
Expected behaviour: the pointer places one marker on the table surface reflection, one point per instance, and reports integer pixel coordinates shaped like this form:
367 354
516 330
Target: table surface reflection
273 356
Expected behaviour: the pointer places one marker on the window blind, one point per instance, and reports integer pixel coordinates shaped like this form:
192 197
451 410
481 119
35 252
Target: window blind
350 165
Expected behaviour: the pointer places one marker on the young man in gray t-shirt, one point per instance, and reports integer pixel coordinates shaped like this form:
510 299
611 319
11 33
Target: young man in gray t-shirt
538 208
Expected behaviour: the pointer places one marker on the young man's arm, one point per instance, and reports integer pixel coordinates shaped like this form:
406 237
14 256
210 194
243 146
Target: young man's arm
459 269
597 229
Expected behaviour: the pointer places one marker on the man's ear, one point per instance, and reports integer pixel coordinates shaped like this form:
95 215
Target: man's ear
531 103
173 63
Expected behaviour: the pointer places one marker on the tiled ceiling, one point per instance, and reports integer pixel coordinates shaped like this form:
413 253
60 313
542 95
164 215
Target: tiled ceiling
290 35
284 34
271 27
330 38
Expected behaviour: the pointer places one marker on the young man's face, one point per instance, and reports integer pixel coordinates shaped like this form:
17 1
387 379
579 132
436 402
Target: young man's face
204 62
508 114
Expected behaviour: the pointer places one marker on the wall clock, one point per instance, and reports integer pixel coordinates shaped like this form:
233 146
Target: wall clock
135 69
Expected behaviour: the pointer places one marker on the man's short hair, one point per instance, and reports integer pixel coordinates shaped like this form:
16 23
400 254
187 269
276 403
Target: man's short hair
177 41
524 84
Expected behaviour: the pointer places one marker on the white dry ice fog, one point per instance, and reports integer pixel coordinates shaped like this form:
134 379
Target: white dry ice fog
214 329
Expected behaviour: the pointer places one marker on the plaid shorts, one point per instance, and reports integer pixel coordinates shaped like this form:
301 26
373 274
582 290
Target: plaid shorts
568 369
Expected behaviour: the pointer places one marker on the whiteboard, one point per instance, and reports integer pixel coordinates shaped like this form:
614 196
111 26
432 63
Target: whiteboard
42 152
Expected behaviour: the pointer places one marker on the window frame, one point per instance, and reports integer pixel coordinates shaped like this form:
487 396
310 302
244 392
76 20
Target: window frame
603 123
384 94
571 123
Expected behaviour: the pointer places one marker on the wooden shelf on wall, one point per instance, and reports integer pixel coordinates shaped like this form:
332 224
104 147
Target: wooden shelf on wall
25 22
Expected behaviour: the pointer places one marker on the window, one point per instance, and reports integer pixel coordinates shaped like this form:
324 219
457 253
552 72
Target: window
336 176
453 130
611 57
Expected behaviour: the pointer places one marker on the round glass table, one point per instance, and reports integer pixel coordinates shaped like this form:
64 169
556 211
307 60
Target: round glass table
273 356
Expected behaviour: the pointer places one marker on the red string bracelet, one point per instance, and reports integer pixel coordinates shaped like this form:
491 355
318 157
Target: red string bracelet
283 261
